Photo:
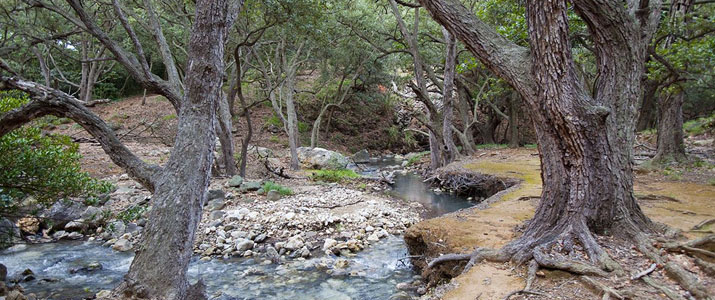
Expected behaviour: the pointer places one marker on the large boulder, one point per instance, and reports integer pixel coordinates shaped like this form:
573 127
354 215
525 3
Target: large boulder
62 212
319 158
9 233
361 156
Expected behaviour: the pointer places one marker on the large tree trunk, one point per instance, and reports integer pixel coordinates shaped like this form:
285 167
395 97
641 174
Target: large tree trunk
514 120
224 127
647 118
670 129
584 142
159 267
292 118
450 152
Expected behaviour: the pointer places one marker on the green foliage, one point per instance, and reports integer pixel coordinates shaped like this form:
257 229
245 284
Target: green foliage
700 125
275 121
530 146
131 213
41 165
416 158
333 175
303 127
271 186
169 117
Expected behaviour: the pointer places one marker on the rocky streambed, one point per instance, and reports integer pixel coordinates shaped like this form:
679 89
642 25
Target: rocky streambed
326 241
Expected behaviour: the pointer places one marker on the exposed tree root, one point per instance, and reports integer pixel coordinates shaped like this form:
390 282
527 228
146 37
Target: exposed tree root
707 267
568 266
602 261
605 290
645 272
668 292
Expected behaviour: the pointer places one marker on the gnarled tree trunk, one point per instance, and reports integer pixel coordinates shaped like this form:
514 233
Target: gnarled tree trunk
584 142
160 265
670 128
450 152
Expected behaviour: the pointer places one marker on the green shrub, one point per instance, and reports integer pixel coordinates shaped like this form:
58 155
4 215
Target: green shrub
41 165
271 186
416 158
333 175
131 213
530 146
699 125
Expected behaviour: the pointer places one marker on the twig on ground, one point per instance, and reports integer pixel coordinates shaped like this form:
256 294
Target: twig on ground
645 272
524 292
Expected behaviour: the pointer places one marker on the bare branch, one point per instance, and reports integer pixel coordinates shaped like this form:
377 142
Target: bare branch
48 101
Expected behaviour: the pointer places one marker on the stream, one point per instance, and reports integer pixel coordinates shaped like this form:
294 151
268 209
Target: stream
371 274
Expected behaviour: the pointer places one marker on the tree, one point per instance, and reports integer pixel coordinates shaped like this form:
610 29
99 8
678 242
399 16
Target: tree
585 142
180 187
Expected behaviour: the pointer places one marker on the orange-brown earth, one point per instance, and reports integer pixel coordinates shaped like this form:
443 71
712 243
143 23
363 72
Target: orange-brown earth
678 204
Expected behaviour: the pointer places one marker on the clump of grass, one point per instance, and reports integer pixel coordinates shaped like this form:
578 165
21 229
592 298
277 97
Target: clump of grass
132 213
272 186
530 146
333 175
492 146
416 158
699 125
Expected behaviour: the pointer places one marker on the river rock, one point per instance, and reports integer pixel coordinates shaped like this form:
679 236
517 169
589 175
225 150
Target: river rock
404 286
3 272
304 252
76 225
260 238
272 254
122 245
244 244
216 194
8 231
89 267
15 295
29 225
341 263
400 296
294 243
216 215
235 181
62 212
329 243
361 156
273 195
117 228
216 204
319 158
249 186
92 215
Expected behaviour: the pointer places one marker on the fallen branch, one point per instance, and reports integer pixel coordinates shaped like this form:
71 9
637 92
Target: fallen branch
524 292
645 272
703 224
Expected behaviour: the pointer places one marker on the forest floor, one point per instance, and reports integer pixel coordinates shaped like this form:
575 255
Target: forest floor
681 203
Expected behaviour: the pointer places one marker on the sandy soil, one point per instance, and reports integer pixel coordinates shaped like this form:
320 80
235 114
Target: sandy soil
685 204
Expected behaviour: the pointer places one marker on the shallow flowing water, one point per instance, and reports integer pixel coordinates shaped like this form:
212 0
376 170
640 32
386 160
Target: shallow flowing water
371 274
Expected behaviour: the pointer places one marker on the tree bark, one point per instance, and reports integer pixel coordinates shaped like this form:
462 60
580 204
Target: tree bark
450 152
224 127
292 118
514 120
160 265
584 142
670 129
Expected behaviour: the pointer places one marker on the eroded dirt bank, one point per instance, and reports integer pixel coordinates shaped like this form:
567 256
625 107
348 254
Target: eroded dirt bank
681 205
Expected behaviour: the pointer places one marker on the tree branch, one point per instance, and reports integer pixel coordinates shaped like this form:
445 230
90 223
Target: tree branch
48 101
